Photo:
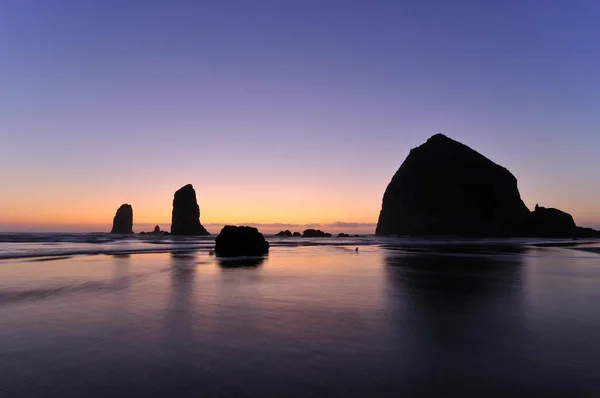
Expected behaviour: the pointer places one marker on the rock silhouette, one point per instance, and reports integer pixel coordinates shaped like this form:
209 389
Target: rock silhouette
552 222
284 234
234 241
297 234
446 188
123 220
156 231
343 235
185 218
315 233
582 232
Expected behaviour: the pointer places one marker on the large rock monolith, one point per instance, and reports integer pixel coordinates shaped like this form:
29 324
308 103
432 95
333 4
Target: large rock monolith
123 220
185 218
446 188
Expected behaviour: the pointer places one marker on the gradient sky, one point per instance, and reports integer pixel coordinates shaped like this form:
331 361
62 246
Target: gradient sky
287 111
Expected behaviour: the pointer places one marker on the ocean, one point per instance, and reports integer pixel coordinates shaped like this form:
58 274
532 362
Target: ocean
97 315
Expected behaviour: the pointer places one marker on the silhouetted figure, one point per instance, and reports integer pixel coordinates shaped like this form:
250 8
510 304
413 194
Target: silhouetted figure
446 188
315 233
357 249
236 241
186 213
123 220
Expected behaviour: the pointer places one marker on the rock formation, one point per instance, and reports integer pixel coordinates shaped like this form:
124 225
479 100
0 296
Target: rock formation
284 234
582 232
315 233
186 213
446 188
552 223
236 241
343 235
123 220
156 231
297 234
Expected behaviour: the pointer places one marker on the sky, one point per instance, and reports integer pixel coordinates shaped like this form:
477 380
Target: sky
286 112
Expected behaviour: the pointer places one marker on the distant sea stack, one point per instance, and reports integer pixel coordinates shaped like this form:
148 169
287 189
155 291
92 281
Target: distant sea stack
123 220
236 241
446 188
185 218
156 231
315 233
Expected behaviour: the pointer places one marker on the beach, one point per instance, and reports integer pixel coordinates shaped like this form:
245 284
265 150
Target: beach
313 318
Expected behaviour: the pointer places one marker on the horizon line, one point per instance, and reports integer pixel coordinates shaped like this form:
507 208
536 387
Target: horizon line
82 227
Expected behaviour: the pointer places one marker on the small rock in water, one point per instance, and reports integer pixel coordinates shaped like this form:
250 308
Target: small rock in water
236 241
315 233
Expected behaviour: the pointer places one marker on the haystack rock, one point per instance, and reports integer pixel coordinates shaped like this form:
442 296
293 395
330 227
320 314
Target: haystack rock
123 220
186 213
236 241
446 188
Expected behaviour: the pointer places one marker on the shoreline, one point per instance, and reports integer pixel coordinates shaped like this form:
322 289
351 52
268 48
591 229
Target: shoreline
45 250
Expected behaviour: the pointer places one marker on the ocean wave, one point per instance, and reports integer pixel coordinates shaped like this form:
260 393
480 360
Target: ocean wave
43 245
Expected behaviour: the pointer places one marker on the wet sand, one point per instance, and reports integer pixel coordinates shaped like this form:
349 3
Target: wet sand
306 321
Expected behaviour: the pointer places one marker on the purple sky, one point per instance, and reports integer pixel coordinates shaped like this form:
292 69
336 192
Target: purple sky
287 111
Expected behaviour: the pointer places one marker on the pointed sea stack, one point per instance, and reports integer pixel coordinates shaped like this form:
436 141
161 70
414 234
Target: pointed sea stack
123 220
185 219
446 188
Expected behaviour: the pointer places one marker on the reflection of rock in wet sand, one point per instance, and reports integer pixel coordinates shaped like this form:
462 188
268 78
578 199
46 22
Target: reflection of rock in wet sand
183 260
437 277
241 262
459 315
121 255
179 309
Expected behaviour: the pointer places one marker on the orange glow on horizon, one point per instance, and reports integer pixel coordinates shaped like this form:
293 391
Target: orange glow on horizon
224 205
